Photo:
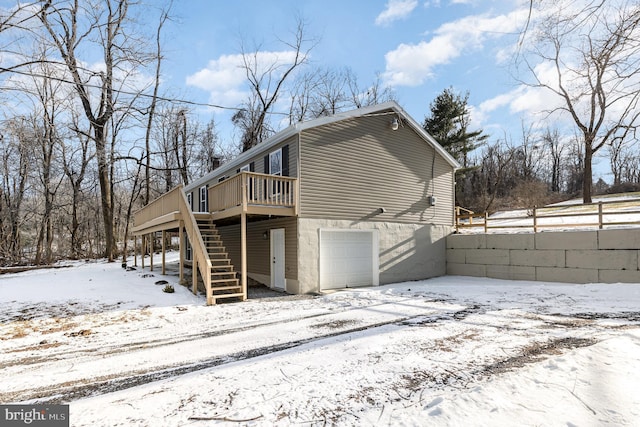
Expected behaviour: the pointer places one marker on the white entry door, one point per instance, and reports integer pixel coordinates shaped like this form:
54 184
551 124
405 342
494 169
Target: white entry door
277 259
348 258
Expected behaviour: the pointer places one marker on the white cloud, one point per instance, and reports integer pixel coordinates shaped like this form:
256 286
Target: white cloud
225 78
222 78
533 104
396 9
502 100
412 64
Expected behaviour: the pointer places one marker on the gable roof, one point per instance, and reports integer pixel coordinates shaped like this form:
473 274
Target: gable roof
296 128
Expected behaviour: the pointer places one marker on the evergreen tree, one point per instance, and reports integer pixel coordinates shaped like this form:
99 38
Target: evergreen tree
448 123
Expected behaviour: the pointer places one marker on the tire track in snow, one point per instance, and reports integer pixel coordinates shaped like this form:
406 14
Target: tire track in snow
72 391
138 345
88 376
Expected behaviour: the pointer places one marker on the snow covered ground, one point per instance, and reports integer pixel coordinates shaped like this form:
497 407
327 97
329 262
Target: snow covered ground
441 352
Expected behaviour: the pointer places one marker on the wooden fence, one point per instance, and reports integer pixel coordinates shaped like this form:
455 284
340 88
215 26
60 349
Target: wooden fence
591 215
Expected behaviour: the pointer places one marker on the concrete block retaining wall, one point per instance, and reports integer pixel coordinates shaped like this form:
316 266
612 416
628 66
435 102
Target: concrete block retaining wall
603 256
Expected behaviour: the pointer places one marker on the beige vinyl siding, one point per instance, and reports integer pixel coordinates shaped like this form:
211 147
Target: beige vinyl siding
258 159
352 168
258 249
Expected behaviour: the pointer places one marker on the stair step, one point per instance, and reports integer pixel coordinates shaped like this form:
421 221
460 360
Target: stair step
222 273
211 241
225 288
227 296
218 255
236 281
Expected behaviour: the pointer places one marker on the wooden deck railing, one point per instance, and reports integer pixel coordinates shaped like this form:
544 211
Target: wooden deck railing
599 214
249 188
163 205
176 201
199 254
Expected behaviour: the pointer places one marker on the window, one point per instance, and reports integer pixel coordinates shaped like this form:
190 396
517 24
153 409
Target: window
204 196
245 168
190 200
275 162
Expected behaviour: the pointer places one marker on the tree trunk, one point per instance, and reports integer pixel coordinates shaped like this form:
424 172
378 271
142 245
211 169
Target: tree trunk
105 191
75 224
587 181
183 166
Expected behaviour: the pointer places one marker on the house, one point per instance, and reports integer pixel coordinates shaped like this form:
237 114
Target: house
360 198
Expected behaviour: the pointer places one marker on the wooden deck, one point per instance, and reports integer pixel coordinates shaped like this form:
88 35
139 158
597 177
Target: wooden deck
246 195
254 194
250 193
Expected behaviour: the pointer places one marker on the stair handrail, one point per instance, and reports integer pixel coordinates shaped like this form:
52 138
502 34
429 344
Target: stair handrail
200 253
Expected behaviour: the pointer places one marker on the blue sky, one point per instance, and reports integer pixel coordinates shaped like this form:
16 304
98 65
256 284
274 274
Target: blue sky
418 47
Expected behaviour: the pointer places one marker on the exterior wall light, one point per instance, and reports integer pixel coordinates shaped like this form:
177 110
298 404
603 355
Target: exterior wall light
265 235
394 124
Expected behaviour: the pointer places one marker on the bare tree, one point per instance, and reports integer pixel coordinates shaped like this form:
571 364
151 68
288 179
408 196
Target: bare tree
70 25
152 107
175 137
207 152
575 167
593 54
76 157
15 164
266 75
322 92
373 94
617 159
551 141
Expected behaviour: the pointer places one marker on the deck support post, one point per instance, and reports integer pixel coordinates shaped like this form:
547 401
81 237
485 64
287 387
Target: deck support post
181 245
194 275
164 258
135 251
243 243
143 245
151 249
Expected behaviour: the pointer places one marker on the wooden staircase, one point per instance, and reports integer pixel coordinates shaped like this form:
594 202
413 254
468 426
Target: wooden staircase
224 279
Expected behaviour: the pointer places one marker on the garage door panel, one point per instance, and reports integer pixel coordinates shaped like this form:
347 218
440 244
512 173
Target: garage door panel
347 259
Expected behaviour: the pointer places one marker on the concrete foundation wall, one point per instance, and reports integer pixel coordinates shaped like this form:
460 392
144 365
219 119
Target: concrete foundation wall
603 256
406 251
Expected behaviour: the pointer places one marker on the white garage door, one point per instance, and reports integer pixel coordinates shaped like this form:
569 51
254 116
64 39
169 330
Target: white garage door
348 259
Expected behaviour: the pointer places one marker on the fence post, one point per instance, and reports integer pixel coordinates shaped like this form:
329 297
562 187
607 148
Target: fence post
600 215
486 221
535 219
